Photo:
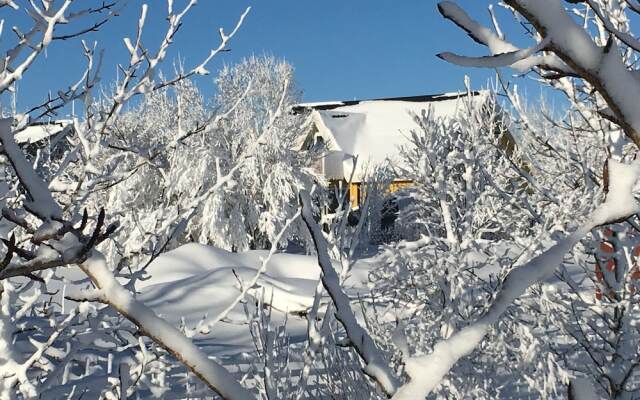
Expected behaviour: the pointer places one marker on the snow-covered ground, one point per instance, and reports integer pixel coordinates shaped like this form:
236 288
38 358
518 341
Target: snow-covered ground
193 284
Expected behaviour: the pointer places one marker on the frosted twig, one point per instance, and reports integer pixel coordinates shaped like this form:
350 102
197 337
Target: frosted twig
505 52
602 67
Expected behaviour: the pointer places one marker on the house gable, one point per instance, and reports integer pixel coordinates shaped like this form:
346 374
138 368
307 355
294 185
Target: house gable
361 134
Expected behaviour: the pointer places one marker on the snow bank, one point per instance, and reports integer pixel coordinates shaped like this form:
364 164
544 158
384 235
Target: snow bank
194 283
193 258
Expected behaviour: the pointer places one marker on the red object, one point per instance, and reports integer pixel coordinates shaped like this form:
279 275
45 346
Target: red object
599 274
607 247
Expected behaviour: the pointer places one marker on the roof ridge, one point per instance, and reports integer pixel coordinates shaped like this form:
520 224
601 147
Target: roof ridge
329 105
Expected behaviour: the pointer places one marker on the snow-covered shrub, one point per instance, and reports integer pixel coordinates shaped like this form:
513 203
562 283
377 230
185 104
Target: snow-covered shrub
463 216
460 253
338 369
586 316
274 350
256 97
463 185
588 52
157 186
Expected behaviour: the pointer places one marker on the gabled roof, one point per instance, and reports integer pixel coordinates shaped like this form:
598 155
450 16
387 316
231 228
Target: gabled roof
374 130
40 130
426 98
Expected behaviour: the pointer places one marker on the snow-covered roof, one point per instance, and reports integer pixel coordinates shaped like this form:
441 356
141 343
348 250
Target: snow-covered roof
374 130
37 132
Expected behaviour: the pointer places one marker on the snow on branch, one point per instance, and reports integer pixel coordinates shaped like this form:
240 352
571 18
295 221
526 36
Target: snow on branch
45 22
110 10
518 59
40 201
201 68
503 53
9 3
427 371
56 241
376 365
139 80
16 373
626 38
73 246
477 32
602 67
163 333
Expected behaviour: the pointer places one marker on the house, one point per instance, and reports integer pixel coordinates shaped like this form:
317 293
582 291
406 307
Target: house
48 136
37 132
361 133
44 141
33 139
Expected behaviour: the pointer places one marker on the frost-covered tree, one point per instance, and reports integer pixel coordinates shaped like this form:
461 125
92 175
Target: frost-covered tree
156 186
587 51
585 316
457 165
161 192
256 96
69 324
467 218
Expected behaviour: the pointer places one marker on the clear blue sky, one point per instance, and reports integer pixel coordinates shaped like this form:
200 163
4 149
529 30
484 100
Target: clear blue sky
340 49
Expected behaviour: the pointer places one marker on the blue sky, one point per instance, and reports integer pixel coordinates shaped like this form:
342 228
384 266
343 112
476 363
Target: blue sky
340 49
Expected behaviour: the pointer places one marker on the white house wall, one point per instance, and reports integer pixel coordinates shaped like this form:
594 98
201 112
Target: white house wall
333 165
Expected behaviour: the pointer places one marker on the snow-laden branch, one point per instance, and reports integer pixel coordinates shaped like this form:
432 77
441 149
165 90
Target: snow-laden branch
45 21
626 38
503 53
9 3
209 125
518 59
78 90
40 201
376 365
137 80
572 51
163 333
201 68
603 67
427 371
72 247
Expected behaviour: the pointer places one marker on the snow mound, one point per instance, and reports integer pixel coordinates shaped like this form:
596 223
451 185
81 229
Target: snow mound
195 283
194 258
